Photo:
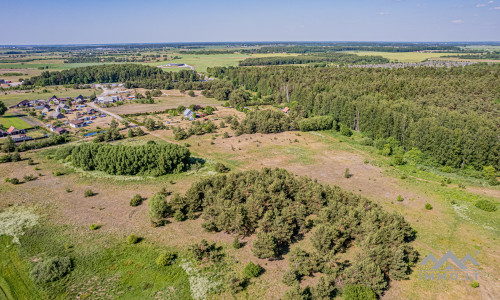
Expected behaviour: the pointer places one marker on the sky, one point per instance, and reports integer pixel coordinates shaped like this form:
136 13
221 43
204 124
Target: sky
35 22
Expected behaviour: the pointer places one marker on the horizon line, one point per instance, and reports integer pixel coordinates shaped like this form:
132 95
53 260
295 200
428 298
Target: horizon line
241 42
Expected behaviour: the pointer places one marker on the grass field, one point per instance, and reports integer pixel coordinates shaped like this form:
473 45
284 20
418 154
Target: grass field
454 223
404 56
8 120
13 97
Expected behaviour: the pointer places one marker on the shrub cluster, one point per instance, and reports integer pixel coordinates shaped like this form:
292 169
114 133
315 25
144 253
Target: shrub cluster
278 203
51 269
318 123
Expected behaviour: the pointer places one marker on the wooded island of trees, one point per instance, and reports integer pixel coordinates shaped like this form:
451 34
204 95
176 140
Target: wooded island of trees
279 206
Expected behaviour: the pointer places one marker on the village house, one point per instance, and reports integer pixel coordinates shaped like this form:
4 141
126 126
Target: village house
79 99
286 110
45 110
77 123
60 130
62 107
3 133
188 114
56 115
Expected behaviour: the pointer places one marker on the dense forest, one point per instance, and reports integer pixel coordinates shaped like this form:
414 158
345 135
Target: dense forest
150 159
133 75
487 55
278 206
333 58
452 114
352 47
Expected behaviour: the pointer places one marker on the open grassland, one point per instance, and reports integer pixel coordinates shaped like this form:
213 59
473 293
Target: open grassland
9 119
14 97
454 223
409 57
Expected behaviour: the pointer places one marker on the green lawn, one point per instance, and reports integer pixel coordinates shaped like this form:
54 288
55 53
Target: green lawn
14 280
102 265
8 120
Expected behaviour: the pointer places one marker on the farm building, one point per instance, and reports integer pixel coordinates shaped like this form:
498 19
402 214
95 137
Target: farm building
21 138
14 131
23 103
77 123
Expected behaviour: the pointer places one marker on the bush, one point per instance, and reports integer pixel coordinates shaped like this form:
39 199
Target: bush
94 226
179 216
30 177
428 206
51 269
31 162
474 284
165 259
58 173
252 270
347 174
290 277
136 200
221 168
318 123
236 243
358 292
88 193
366 141
486 205
493 181
132 239
159 209
14 180
344 130
399 198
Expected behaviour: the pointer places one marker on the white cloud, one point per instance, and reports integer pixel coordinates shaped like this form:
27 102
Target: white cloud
495 8
383 13
484 4
457 21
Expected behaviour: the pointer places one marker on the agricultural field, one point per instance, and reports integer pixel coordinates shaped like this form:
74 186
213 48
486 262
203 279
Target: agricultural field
409 57
13 120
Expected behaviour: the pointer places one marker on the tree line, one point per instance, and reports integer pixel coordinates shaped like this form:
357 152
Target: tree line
452 114
133 75
333 58
151 159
